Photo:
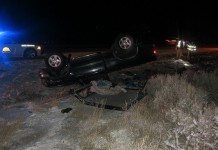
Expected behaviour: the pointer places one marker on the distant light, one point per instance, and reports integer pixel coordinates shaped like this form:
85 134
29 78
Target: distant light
9 33
155 52
38 48
6 50
1 32
171 41
8 36
27 45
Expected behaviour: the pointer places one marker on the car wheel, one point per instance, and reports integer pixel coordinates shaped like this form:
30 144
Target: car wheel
55 61
124 47
30 53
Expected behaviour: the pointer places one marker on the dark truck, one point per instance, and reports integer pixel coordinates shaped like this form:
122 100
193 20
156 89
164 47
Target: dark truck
125 52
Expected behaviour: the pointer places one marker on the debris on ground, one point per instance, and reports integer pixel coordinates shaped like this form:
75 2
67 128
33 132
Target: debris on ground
119 96
99 88
66 110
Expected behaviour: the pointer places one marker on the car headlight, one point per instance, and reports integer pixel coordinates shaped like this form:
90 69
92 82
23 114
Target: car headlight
38 48
6 50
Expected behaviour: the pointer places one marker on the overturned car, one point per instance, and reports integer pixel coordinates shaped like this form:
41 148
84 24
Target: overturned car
61 69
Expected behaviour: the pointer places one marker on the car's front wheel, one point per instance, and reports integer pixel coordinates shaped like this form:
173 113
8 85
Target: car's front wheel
55 61
124 47
30 53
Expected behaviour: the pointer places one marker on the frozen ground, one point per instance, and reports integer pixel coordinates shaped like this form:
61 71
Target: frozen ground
23 97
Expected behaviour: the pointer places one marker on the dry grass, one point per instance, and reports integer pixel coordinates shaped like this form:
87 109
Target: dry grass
33 94
7 130
205 81
177 113
137 128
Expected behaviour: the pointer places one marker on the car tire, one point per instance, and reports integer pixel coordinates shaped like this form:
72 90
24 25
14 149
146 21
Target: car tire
55 61
124 47
30 53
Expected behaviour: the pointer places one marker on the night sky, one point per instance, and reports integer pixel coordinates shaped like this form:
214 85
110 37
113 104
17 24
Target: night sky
51 20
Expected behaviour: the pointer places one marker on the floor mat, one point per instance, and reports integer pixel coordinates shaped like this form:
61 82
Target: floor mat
122 100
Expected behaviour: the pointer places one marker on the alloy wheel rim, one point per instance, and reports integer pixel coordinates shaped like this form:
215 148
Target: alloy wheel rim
125 42
54 61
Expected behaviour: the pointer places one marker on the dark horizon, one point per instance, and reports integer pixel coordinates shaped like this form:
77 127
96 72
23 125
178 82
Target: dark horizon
60 21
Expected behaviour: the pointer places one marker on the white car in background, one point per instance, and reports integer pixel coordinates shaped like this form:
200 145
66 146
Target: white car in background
28 51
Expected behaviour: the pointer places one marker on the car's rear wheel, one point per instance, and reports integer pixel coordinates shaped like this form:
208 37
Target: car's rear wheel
124 47
30 53
55 61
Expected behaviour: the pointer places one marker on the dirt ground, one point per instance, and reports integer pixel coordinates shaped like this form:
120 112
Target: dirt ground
39 108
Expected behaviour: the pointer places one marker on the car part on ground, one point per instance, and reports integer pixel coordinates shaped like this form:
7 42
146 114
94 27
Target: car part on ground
105 94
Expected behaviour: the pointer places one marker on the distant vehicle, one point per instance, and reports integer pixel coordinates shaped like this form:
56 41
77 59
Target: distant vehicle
171 41
64 70
28 51
12 45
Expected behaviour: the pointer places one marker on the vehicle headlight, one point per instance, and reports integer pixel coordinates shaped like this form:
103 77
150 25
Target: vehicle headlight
6 50
38 48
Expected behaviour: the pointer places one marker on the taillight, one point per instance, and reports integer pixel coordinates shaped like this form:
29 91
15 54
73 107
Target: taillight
43 74
155 52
